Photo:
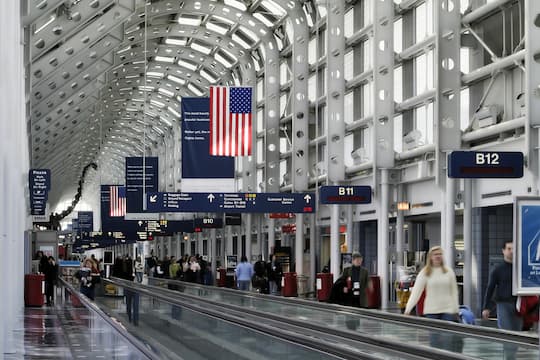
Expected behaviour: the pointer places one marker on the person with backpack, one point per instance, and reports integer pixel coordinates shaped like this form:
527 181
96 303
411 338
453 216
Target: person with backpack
260 279
274 273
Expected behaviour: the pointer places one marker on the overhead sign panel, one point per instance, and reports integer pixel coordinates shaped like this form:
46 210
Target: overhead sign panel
86 221
232 202
345 194
485 164
39 181
140 173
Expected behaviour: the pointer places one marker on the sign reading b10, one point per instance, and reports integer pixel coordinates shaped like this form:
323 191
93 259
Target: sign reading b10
345 194
485 164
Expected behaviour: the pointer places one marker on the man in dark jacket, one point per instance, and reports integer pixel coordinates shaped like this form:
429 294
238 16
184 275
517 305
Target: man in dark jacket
353 283
51 276
274 273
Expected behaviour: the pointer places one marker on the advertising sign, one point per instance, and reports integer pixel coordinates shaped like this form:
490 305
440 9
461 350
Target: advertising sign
527 246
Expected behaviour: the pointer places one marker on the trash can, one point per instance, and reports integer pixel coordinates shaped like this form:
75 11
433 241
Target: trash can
33 289
221 277
324 286
374 293
289 284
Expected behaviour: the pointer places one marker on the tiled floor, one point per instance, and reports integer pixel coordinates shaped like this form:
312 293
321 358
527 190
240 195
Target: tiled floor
67 332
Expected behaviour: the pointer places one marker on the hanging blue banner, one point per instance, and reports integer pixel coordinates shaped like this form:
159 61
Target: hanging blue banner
196 160
527 249
39 183
138 176
86 221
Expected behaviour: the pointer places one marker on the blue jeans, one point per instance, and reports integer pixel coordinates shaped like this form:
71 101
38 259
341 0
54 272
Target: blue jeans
273 287
139 276
243 284
445 340
508 319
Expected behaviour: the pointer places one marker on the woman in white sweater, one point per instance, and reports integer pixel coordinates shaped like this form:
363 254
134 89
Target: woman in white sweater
441 300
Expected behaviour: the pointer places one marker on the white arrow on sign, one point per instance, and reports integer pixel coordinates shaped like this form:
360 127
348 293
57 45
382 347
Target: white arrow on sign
307 198
153 198
211 197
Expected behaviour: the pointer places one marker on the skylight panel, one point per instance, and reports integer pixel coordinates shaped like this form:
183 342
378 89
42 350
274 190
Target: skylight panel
189 20
273 8
176 79
159 104
146 88
174 112
155 74
187 65
201 48
242 42
263 19
165 59
195 90
217 28
236 4
165 92
208 76
250 34
165 121
176 41
222 60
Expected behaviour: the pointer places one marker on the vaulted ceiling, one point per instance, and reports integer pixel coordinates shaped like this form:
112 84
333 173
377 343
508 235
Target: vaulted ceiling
106 77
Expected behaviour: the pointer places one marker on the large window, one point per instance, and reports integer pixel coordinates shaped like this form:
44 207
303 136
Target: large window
424 20
349 65
349 107
423 66
423 121
349 23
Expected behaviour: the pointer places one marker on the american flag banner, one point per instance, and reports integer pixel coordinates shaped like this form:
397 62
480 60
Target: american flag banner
230 121
118 201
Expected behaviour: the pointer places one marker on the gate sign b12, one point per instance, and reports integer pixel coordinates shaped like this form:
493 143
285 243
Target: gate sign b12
485 164
345 194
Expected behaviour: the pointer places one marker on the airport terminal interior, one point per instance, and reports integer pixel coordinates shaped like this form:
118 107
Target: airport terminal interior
329 148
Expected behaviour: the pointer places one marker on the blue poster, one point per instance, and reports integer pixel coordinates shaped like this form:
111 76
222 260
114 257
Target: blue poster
86 221
138 176
39 183
530 246
196 160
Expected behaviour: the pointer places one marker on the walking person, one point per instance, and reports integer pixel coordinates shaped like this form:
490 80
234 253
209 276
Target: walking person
244 272
441 296
51 276
356 280
139 269
275 274
500 285
89 277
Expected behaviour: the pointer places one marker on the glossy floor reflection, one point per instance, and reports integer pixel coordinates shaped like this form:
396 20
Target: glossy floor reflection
67 332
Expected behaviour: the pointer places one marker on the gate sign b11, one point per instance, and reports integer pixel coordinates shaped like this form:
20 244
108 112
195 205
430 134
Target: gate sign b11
345 194
485 164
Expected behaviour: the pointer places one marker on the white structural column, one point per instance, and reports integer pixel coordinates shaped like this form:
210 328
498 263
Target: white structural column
312 251
467 240
383 238
383 115
532 81
229 242
14 172
446 124
299 244
336 124
213 250
349 221
335 260
449 223
249 222
399 230
271 236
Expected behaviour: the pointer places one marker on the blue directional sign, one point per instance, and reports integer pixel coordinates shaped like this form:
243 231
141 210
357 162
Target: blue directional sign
345 194
485 164
39 181
231 202
86 221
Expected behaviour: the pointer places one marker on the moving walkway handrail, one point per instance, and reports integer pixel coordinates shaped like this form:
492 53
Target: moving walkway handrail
389 345
476 331
132 340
